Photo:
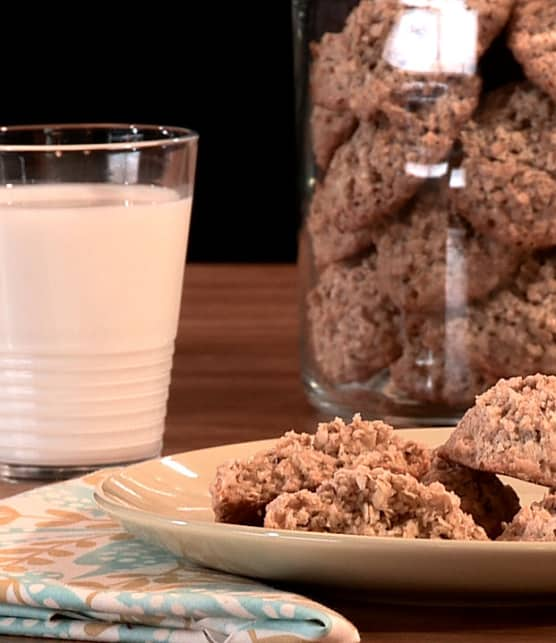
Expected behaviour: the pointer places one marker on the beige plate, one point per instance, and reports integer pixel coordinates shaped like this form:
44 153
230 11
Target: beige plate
166 502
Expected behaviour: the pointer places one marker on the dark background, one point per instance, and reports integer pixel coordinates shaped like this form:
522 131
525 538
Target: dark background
221 68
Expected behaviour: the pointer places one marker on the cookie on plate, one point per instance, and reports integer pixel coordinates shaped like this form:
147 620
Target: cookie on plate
511 430
374 502
374 444
532 36
242 488
430 259
510 168
490 502
515 330
537 522
438 363
352 326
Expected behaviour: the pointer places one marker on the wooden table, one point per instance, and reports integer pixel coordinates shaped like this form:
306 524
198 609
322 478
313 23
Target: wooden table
236 378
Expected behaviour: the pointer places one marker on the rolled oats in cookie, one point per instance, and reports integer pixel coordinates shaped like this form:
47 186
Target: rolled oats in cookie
330 72
437 363
353 328
490 502
338 56
367 65
242 488
532 38
369 177
509 166
511 430
515 330
330 244
430 259
329 130
374 444
364 70
375 502
534 523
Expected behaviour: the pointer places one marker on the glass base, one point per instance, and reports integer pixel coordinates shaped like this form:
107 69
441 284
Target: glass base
19 472
377 399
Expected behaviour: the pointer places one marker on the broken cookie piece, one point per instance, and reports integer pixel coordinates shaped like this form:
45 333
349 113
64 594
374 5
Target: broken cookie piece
490 502
374 444
511 430
243 488
537 522
375 502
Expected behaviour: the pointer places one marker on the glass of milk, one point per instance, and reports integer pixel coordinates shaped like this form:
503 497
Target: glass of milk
94 222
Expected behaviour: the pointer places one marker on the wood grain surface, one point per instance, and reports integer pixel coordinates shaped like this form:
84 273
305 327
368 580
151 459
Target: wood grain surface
236 377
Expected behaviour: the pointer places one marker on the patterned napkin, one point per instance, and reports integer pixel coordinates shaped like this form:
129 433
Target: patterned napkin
68 571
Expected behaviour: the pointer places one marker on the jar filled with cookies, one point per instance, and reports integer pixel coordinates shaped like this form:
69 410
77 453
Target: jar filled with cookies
427 147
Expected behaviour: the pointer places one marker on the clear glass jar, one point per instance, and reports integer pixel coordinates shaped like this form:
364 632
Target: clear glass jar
427 132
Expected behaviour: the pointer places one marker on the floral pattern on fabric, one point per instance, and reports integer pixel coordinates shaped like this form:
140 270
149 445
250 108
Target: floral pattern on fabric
68 571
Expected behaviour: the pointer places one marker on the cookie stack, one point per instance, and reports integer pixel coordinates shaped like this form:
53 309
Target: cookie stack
433 218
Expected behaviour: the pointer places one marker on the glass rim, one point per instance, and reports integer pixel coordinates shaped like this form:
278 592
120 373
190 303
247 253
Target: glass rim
168 135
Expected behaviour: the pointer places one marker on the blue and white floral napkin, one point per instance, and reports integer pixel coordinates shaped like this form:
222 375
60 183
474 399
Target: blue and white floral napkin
68 571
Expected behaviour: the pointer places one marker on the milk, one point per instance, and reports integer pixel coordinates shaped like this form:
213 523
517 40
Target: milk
90 286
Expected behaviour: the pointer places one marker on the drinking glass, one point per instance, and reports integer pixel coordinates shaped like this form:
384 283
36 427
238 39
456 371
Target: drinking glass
94 222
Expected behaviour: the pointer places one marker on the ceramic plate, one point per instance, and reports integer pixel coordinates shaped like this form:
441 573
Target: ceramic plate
166 502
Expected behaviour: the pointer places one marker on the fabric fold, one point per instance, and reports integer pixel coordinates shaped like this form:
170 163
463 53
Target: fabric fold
67 570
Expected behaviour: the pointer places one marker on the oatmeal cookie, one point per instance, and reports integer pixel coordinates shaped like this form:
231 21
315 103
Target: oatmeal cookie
515 330
511 430
328 242
438 364
329 130
330 72
374 502
365 66
431 260
490 502
370 177
510 168
353 328
242 488
532 39
537 522
374 444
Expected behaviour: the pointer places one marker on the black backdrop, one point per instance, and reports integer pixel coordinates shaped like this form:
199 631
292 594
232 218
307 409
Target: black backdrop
221 68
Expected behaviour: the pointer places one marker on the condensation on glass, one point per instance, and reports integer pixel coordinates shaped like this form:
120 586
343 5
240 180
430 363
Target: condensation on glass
428 189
